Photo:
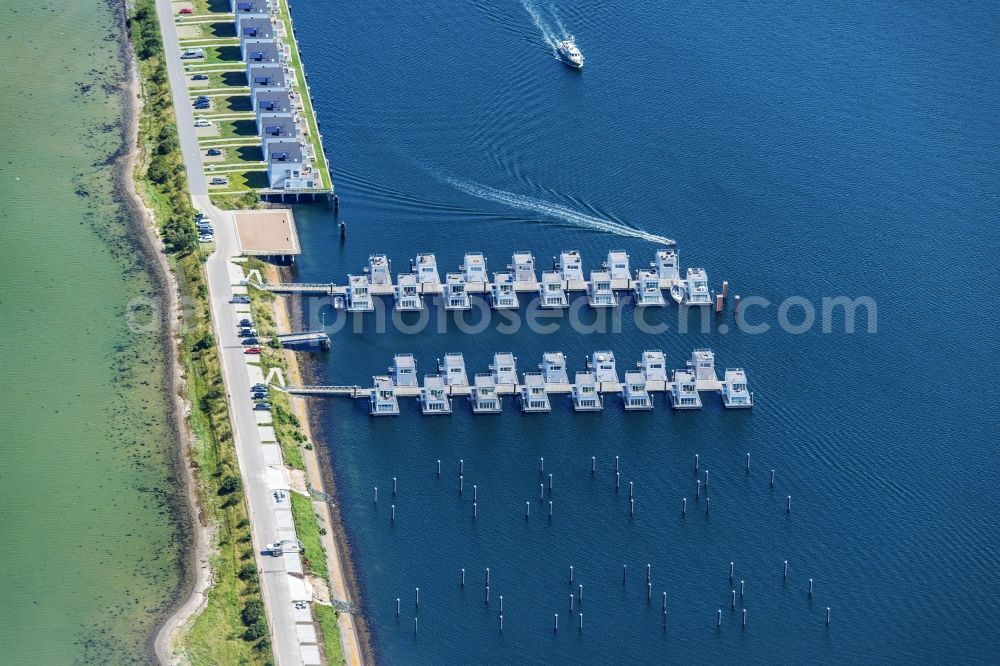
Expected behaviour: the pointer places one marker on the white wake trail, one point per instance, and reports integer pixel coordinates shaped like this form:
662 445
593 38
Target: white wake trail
543 27
555 210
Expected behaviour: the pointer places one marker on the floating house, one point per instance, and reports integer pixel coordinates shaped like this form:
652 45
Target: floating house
684 394
618 265
359 298
666 265
503 370
599 292
277 131
502 293
734 390
523 266
255 31
534 398
266 78
434 396
453 369
263 53
647 289
485 399
456 297
272 105
570 265
474 268
383 398
403 370
602 364
379 269
635 396
551 292
427 270
702 364
693 290
407 294
553 368
585 395
245 10
653 366
286 167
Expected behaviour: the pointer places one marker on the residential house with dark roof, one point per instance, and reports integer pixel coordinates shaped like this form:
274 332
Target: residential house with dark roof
261 54
253 31
249 9
268 78
273 105
278 130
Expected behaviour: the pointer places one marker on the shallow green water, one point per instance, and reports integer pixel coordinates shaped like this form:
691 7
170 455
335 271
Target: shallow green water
90 547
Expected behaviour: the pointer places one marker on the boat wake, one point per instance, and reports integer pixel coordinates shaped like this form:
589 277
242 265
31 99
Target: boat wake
554 210
548 34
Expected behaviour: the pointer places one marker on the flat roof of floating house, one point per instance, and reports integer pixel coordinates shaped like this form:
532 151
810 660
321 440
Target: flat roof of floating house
269 232
286 152
264 52
270 76
251 7
257 28
283 128
277 101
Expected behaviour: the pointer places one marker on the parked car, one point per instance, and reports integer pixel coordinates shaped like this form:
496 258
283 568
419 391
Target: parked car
201 98
206 230
218 180
206 239
202 122
259 387
186 10
252 350
248 333
191 54
240 298
202 106
251 342
258 396
262 407
245 323
213 152
200 77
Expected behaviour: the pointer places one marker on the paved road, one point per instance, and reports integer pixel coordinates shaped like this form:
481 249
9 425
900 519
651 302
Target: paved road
274 576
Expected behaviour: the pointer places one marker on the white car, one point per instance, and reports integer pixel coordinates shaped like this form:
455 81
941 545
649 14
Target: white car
202 122
193 53
206 239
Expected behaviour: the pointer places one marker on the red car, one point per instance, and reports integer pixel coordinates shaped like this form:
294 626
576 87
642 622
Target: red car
186 10
252 350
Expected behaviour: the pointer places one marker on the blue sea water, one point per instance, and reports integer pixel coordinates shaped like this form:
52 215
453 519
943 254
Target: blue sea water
796 149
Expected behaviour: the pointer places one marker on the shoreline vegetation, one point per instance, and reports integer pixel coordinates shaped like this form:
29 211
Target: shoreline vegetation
222 619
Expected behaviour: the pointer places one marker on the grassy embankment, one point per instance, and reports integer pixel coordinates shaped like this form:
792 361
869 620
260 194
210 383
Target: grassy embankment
232 628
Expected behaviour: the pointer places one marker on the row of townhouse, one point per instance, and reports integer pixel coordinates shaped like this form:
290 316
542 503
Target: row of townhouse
272 98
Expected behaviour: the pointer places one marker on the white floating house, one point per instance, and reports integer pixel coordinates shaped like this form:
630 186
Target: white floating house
553 367
407 293
533 395
693 290
403 370
453 369
383 399
602 364
359 298
570 265
734 390
434 396
427 270
618 265
635 396
666 265
551 292
653 366
502 294
702 364
503 370
379 269
585 395
523 266
599 292
474 268
684 394
456 297
647 289
485 399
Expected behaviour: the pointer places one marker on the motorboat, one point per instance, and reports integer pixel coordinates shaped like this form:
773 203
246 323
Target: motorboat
569 53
